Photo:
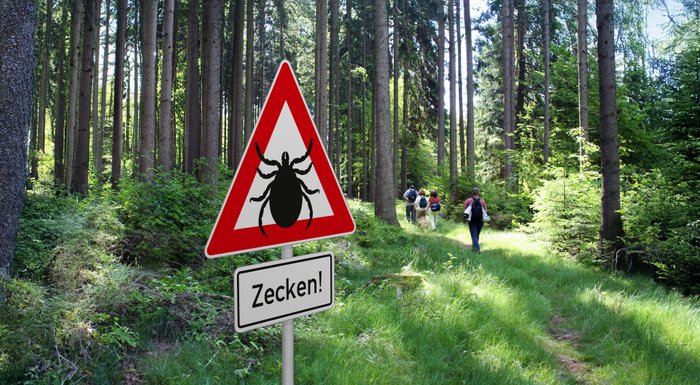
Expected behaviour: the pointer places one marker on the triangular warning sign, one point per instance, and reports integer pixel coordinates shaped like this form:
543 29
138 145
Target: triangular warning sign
284 190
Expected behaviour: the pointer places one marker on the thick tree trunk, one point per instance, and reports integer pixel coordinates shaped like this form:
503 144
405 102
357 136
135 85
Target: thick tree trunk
471 158
441 86
237 105
80 170
351 102
395 156
582 76
334 78
16 79
462 142
384 207
166 156
117 130
611 222
61 102
103 103
507 11
44 82
148 90
193 109
212 16
545 11
454 194
72 129
321 73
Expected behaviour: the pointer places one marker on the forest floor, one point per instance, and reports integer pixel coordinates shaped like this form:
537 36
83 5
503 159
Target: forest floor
418 307
412 307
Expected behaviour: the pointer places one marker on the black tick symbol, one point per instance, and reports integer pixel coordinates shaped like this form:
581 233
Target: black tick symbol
285 191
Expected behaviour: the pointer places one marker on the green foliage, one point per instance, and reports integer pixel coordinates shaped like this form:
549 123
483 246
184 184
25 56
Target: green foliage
169 220
567 211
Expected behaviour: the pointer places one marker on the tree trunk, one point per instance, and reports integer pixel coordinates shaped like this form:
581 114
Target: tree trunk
441 86
136 134
103 106
384 207
471 158
166 156
363 117
148 90
454 194
321 73
582 77
334 77
351 102
212 16
80 172
406 131
120 55
249 86
462 142
44 82
96 95
237 110
521 21
72 129
193 109
545 10
395 156
611 231
16 80
61 103
507 11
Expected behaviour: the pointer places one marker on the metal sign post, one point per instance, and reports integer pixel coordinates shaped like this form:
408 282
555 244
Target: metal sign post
288 336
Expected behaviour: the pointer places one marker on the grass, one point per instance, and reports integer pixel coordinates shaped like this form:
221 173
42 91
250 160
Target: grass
417 307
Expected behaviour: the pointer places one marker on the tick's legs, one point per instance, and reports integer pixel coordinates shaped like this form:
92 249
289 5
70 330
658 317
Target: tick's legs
303 157
260 216
311 210
304 172
266 176
261 197
306 189
264 160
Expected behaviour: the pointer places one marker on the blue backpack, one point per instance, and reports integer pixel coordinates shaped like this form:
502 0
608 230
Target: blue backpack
412 195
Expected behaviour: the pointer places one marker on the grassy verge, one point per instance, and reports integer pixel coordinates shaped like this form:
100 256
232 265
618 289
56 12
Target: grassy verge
416 307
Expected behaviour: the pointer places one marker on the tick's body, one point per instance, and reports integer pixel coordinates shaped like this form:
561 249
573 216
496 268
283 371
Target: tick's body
286 191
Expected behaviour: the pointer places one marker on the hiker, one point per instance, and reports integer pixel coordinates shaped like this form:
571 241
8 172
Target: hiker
434 212
474 211
410 197
421 208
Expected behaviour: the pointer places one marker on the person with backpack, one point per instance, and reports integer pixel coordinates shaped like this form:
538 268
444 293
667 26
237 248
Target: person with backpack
410 197
421 208
435 206
475 216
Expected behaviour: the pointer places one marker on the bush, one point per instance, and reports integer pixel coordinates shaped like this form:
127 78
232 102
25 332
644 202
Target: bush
567 211
661 224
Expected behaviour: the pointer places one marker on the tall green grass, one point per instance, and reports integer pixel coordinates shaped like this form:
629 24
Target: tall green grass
418 307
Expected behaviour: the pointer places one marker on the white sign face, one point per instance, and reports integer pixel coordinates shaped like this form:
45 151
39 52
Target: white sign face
272 292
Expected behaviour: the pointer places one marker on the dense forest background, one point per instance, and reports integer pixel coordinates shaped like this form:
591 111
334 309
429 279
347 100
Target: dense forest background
576 125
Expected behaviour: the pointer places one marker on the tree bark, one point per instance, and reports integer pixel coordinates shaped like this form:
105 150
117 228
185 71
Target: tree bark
611 231
16 80
166 156
395 156
441 86
334 78
44 82
103 103
117 130
471 158
72 129
454 194
193 111
507 12
237 93
582 76
321 73
61 102
351 102
80 172
384 207
95 116
148 90
212 18
545 11
521 21
462 142
406 130
136 134
249 86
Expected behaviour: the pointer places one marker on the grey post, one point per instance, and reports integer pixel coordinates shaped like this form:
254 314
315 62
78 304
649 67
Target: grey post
288 336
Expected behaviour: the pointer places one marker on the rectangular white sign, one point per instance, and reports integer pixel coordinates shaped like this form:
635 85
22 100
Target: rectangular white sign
272 292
